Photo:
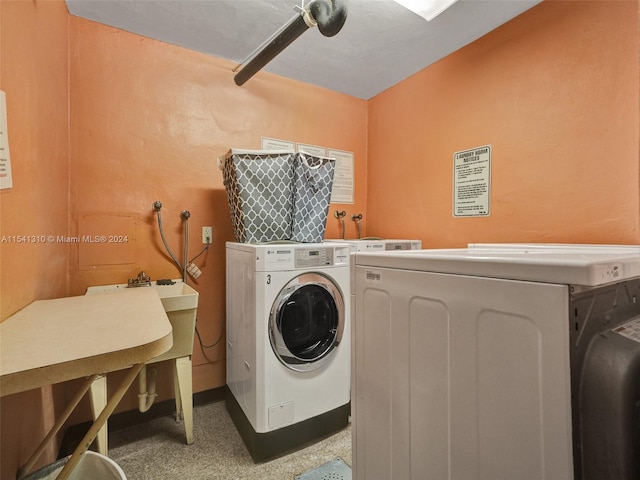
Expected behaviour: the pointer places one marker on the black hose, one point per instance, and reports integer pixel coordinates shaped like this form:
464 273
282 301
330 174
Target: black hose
330 16
296 27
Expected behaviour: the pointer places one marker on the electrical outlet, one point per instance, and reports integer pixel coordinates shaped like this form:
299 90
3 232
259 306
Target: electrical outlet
207 235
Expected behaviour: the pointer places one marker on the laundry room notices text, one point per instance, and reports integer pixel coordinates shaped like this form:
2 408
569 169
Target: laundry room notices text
472 182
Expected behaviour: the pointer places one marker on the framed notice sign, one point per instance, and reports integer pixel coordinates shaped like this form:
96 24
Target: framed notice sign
6 178
472 182
343 177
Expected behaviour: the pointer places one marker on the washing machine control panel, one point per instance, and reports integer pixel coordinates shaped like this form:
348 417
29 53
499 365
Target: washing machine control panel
313 257
402 245
308 256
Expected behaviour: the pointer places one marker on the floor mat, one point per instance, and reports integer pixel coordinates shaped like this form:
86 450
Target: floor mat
333 470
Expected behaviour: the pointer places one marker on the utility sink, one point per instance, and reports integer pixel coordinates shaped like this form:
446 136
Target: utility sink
178 296
180 301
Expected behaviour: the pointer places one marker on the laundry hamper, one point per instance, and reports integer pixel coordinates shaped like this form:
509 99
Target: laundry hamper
92 466
313 181
259 186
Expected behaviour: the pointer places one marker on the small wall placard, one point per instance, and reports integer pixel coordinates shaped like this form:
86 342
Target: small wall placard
6 178
472 182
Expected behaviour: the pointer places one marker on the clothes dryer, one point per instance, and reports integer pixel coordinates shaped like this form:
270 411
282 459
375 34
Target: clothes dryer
497 362
288 342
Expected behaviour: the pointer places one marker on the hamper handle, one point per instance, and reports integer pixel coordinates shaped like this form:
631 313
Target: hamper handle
303 157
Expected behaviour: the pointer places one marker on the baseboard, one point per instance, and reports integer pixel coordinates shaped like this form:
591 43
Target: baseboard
118 421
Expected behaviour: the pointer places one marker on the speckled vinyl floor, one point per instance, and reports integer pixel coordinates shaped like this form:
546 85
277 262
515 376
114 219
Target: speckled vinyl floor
157 450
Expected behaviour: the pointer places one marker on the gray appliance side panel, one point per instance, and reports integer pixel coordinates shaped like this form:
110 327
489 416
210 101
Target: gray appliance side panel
605 380
610 407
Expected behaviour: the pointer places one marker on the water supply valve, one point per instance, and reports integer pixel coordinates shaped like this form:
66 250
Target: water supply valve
357 218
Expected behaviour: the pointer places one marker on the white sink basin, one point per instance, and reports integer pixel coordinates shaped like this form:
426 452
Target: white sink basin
178 296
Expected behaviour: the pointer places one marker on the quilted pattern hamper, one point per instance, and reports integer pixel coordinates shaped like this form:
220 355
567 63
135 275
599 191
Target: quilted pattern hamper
260 194
277 195
313 179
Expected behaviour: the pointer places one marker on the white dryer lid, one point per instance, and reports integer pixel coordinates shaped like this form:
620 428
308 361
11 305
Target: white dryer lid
587 265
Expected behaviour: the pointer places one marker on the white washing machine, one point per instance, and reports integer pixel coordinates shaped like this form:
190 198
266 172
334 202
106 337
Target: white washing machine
288 343
497 362
375 244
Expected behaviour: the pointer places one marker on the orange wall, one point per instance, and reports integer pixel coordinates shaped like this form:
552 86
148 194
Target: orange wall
555 92
148 121
33 74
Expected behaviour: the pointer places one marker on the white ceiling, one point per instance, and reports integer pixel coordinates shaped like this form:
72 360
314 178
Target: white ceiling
380 44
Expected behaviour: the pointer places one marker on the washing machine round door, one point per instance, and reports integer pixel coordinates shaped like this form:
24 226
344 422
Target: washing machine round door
307 322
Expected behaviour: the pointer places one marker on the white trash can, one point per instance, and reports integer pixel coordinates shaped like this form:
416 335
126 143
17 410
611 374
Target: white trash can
92 465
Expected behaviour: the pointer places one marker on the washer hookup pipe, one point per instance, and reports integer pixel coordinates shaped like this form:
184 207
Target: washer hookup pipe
340 215
357 218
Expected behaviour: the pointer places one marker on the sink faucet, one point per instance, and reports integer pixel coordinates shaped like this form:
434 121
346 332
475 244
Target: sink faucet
142 280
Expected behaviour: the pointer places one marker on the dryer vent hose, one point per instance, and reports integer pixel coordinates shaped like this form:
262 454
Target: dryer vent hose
329 15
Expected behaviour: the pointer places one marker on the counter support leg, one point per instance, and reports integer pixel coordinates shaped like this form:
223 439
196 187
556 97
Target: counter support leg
98 396
57 426
132 373
184 393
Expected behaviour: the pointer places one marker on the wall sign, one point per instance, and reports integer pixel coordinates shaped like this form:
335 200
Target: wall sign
276 144
311 150
6 178
472 182
343 176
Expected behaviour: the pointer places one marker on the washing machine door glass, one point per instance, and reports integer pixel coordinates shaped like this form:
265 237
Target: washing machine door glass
307 322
